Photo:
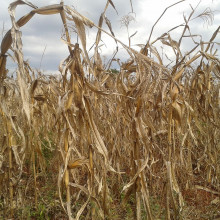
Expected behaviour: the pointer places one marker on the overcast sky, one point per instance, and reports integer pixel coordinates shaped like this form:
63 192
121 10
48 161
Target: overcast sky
45 31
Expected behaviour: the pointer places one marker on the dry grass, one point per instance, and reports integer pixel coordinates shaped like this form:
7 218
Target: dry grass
143 143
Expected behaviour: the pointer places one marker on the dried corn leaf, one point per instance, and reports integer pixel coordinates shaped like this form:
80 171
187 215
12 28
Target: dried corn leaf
69 101
40 98
178 74
111 2
174 92
82 35
144 165
109 26
207 190
3 71
99 142
17 46
23 20
49 10
98 36
177 112
6 43
77 163
60 177
78 16
79 213
82 188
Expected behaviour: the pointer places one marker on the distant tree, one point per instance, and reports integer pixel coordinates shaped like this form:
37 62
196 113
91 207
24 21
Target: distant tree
114 71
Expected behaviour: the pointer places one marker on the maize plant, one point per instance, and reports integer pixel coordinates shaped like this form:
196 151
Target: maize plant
143 143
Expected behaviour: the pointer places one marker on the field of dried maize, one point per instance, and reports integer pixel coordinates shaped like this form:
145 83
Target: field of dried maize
139 143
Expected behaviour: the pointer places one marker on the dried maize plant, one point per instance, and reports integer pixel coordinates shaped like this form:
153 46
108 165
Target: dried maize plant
150 131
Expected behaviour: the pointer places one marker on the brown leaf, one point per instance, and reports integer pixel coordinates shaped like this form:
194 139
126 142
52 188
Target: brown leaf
49 10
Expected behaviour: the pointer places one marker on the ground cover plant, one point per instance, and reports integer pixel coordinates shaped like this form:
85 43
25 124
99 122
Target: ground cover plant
141 142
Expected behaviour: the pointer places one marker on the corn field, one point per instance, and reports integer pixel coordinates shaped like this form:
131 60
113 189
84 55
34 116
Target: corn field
143 143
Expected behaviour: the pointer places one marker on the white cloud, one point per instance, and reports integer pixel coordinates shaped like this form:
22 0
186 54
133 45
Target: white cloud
46 30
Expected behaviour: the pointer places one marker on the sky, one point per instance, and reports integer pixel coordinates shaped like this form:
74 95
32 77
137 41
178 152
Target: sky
41 36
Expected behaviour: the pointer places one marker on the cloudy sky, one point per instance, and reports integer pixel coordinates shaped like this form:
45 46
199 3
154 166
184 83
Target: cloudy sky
42 34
